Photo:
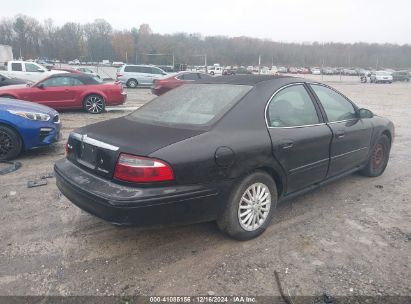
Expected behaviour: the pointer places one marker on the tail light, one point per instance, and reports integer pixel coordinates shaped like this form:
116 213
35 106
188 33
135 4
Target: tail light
138 169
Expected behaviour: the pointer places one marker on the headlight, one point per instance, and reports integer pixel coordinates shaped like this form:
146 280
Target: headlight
31 115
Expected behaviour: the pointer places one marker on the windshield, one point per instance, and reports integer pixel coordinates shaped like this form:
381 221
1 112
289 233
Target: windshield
4 76
193 104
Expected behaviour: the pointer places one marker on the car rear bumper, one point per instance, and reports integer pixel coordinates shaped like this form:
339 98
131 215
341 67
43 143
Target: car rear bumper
159 91
126 205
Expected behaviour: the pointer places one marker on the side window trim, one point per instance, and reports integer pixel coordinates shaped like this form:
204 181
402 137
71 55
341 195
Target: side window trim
326 120
314 101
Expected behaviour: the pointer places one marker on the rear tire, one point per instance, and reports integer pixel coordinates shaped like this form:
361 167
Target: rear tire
10 143
250 207
132 83
94 104
379 158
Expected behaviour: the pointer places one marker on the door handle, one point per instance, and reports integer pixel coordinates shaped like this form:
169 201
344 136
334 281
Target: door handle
287 145
339 134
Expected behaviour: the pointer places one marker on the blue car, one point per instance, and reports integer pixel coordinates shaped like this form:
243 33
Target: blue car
25 125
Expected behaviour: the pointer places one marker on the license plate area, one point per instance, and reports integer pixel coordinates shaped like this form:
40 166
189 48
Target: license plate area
87 155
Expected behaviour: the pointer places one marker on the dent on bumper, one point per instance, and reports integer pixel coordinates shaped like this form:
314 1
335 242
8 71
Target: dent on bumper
129 205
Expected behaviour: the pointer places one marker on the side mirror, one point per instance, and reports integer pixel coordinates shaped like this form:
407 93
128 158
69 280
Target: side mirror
40 70
40 86
365 113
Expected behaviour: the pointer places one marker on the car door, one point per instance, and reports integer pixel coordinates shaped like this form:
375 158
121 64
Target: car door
34 72
144 77
351 135
156 73
56 92
300 139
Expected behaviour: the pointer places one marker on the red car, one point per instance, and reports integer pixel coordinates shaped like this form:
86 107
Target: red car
69 91
161 86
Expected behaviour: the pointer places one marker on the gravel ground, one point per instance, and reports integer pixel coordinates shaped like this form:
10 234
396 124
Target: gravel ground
351 237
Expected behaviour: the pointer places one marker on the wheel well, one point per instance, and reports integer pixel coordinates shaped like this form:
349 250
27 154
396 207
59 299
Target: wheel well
388 134
276 177
8 96
17 132
132 79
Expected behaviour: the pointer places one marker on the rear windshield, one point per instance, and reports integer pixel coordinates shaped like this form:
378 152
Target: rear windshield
193 104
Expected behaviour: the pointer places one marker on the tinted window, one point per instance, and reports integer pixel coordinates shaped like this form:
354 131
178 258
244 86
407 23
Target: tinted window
32 68
145 70
191 104
16 66
204 76
190 76
76 82
131 68
58 82
292 107
156 71
336 106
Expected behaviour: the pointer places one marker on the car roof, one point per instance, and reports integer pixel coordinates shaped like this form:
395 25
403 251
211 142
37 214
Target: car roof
251 80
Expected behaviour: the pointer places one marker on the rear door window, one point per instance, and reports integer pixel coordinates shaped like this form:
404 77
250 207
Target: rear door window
291 107
131 68
194 104
15 66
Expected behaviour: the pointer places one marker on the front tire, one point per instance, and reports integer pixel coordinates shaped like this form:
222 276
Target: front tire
10 143
379 158
250 207
94 104
132 83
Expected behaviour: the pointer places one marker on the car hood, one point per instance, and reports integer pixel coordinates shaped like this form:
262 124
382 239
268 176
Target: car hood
13 87
136 137
20 105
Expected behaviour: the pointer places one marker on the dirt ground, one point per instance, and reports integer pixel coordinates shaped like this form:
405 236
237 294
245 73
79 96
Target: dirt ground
351 237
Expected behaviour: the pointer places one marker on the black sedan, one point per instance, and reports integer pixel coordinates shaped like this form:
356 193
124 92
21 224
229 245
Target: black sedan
6 81
225 149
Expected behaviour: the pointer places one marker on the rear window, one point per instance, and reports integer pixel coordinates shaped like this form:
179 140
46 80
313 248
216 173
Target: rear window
194 104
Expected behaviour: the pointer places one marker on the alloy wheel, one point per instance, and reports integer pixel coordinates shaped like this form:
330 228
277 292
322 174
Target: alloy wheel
94 104
6 144
254 207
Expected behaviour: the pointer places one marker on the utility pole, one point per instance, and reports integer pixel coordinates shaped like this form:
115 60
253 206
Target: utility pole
259 64
205 63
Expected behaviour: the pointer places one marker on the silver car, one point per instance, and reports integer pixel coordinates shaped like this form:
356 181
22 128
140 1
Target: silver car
139 75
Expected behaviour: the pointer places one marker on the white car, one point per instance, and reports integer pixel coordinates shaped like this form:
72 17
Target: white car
316 71
381 77
28 70
215 70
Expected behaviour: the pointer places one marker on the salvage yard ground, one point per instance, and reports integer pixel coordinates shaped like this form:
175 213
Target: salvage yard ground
351 237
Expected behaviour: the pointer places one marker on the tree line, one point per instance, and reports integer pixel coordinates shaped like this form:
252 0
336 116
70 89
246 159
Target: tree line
98 40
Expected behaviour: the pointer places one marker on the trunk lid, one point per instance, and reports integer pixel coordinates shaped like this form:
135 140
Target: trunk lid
97 147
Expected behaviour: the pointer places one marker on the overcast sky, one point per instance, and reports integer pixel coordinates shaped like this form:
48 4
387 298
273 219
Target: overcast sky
285 20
